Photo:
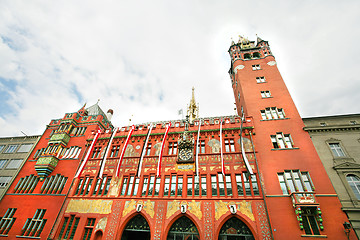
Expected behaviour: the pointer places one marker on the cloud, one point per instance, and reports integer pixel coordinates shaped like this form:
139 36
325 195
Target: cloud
142 58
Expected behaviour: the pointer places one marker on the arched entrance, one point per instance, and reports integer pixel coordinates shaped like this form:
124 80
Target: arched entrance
137 228
183 229
235 229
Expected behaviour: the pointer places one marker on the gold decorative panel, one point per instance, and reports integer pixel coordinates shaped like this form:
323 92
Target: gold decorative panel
89 206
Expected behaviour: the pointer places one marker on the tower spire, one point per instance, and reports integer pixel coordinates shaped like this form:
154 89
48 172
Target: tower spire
193 109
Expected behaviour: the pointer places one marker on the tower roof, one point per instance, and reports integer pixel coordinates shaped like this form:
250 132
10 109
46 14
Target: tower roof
96 110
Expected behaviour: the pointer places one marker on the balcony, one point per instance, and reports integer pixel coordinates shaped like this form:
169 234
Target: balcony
60 137
45 165
303 199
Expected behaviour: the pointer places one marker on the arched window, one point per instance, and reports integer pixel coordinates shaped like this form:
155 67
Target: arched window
183 229
234 228
247 56
256 55
137 228
354 182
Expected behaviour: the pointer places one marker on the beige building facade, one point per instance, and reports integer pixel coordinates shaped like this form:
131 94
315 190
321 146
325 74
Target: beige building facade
13 153
337 141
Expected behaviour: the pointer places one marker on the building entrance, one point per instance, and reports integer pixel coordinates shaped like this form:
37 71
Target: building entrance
137 228
235 229
183 229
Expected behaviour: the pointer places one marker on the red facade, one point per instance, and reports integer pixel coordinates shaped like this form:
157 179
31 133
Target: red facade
273 185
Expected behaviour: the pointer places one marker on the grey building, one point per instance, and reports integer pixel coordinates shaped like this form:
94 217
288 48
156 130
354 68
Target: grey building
337 141
13 153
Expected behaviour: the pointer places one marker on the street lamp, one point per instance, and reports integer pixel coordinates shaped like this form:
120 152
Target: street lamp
347 227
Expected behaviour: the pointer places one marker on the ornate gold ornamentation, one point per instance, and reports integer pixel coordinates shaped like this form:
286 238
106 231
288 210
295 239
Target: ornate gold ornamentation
115 186
129 206
89 206
220 209
101 224
245 208
149 208
195 208
172 207
184 167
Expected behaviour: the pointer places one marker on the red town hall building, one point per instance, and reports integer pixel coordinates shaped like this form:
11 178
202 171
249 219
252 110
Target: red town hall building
251 176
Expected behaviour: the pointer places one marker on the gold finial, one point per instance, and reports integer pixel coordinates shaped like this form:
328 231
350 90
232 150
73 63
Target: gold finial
193 109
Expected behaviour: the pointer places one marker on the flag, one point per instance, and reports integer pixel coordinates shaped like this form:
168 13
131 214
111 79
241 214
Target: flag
77 175
248 167
143 151
103 162
197 150
123 151
161 149
221 151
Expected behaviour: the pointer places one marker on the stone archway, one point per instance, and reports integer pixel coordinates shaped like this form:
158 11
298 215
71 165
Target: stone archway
183 229
235 229
137 228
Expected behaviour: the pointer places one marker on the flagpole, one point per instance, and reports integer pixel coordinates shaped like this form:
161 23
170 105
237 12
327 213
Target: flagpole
221 151
197 150
161 149
103 162
242 147
143 151
123 151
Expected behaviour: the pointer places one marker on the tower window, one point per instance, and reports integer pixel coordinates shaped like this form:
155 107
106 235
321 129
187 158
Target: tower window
260 79
256 55
272 113
256 67
265 94
281 141
247 56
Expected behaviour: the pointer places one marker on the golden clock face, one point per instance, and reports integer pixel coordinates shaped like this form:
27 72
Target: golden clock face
185 155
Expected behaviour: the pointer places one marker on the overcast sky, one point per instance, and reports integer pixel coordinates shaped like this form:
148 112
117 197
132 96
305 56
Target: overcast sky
141 58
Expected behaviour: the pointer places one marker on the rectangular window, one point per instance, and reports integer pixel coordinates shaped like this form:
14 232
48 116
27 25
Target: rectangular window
247 183
34 226
221 184
272 113
7 221
4 180
229 145
24 148
102 186
114 151
172 148
295 181
228 185
310 224
96 152
11 149
173 185
89 227
260 79
124 185
196 186
214 185
336 150
166 186
151 185
69 227
179 186
265 94
202 146
256 67
144 186
254 185
131 182
203 186
239 185
189 185
3 162
26 184
2 147
281 141
157 186
148 149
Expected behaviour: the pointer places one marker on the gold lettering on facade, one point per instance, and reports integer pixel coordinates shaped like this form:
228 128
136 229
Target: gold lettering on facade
89 206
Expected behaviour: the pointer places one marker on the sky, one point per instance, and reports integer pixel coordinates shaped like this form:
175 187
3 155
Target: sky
142 58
